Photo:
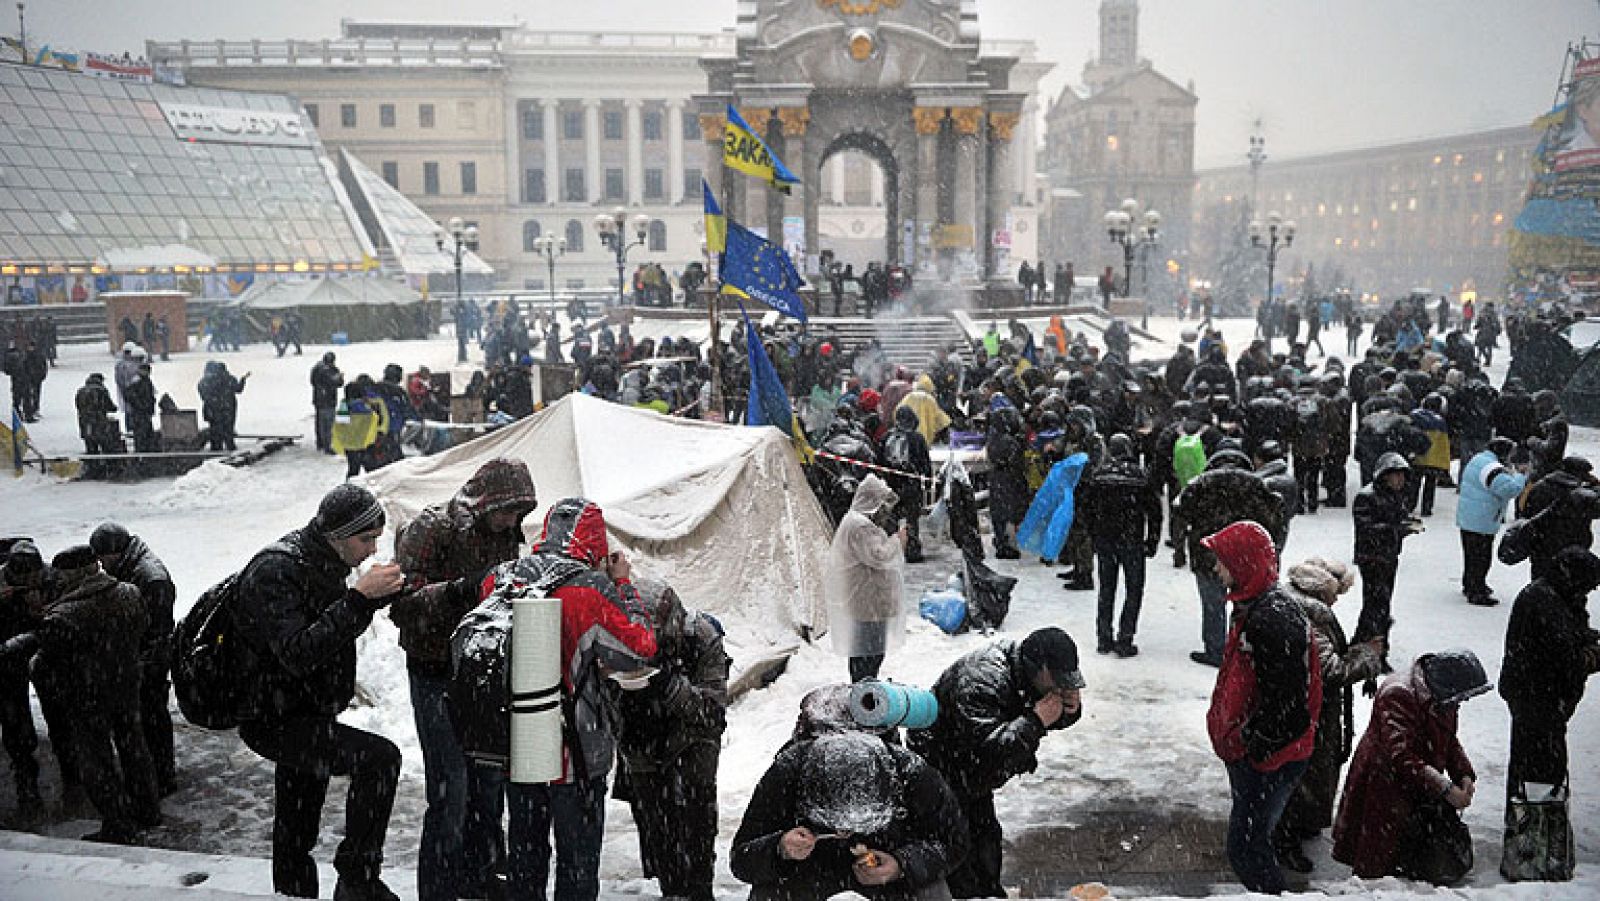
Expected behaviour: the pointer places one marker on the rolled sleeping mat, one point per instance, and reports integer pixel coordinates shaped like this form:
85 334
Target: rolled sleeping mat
887 705
536 753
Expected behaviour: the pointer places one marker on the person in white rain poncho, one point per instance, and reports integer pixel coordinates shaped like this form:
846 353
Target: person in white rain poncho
864 581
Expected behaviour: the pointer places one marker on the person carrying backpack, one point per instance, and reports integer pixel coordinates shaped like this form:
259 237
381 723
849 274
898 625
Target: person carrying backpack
1312 425
905 450
300 624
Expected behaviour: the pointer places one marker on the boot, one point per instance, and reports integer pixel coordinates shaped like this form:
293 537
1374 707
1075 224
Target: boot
1125 648
1291 857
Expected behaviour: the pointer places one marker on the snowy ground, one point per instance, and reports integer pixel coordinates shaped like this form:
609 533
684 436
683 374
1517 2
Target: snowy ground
1140 745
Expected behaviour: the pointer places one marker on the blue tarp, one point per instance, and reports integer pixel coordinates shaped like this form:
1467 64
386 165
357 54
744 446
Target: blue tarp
1044 530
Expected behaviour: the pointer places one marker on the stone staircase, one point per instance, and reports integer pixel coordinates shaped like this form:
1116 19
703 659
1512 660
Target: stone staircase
910 341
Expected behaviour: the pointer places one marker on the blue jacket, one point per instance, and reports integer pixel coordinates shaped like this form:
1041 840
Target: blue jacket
1486 485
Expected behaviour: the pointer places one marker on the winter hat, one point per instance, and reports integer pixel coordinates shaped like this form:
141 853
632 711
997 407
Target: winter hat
1454 676
1052 649
1228 458
79 556
1577 466
24 559
1120 446
1245 548
109 538
1323 579
1270 451
1390 462
1578 568
848 784
1502 447
869 398
501 484
346 511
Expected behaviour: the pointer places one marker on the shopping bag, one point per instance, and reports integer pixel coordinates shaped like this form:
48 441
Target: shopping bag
1538 841
1436 846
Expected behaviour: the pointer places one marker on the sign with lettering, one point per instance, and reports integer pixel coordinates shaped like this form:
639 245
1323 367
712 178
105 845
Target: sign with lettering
230 125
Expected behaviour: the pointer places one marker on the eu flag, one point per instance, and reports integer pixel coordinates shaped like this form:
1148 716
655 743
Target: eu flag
755 267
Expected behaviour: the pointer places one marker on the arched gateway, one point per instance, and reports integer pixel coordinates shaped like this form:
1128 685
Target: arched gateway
899 80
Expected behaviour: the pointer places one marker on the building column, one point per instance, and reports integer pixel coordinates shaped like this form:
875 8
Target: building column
1002 185
675 186
878 186
968 122
635 139
792 125
591 146
928 121
718 176
553 181
836 182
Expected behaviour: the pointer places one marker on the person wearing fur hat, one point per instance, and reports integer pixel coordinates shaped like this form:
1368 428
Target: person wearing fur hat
300 623
1410 777
91 629
445 553
1315 585
1264 708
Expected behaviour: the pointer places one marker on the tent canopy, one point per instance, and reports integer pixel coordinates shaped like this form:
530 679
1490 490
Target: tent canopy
1580 399
723 513
365 308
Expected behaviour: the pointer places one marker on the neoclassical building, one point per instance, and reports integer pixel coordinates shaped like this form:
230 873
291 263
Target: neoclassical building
1126 131
527 132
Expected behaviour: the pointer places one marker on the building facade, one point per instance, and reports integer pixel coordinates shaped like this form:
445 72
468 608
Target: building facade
1126 132
522 132
1431 215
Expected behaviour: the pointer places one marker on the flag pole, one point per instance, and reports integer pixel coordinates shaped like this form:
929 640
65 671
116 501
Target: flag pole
717 412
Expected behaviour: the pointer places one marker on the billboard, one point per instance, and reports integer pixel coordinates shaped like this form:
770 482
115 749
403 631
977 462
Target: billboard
1555 241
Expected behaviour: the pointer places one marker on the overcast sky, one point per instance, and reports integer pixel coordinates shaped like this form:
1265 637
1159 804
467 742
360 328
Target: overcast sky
1320 74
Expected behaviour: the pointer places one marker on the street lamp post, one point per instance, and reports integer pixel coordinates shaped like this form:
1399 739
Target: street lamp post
1277 234
612 228
1256 156
549 246
461 239
1131 238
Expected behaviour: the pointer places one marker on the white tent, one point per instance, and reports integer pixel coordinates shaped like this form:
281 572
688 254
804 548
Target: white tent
723 513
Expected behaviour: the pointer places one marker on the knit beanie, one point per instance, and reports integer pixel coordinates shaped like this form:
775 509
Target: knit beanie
109 538
80 556
24 559
347 511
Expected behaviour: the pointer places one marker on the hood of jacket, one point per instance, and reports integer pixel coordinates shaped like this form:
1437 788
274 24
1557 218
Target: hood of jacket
500 484
873 495
1453 676
1246 550
138 563
924 383
1273 468
575 528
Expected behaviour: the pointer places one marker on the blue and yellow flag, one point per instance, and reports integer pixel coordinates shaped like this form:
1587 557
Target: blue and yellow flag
743 149
716 223
769 403
753 267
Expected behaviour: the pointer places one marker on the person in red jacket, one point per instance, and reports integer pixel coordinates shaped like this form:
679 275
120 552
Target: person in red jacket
1265 705
1410 775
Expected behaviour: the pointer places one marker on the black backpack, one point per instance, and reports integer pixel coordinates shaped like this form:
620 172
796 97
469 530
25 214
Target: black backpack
209 665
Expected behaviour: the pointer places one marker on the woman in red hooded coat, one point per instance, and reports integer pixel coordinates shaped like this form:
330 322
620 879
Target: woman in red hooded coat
1408 758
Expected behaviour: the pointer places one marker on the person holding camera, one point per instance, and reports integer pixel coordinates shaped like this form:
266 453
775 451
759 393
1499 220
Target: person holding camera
300 623
1490 479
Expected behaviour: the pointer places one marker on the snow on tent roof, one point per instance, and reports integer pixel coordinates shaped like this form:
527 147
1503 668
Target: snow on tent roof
723 513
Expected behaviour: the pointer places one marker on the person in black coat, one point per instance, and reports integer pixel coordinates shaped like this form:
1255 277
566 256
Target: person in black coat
848 812
1338 410
1273 469
24 587
905 450
90 629
35 368
1471 417
1563 507
300 623
1550 652
127 558
140 396
1513 413
326 379
1382 523
1226 493
996 704
1008 481
1215 372
219 403
1549 444
1122 511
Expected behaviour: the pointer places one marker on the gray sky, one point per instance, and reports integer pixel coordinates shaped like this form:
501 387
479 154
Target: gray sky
1321 74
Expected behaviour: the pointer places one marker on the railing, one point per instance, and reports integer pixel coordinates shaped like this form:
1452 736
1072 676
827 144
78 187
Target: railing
613 40
358 52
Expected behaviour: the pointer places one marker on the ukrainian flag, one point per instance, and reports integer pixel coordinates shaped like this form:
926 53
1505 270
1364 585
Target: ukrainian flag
755 267
743 149
716 223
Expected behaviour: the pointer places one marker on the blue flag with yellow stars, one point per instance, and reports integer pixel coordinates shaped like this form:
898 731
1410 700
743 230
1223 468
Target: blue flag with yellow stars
743 149
753 267
769 403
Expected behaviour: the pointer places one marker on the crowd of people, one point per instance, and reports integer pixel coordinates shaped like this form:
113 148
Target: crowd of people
1095 461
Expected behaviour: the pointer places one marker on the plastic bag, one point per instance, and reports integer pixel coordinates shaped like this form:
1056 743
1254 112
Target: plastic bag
945 609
